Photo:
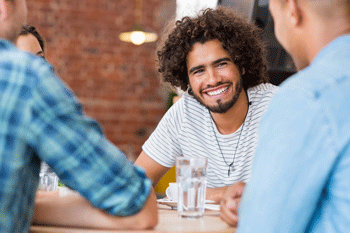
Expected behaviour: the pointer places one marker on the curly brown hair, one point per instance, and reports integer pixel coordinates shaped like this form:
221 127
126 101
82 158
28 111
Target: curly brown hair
239 38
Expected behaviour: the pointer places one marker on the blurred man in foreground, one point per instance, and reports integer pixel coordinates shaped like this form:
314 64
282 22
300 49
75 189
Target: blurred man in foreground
300 179
41 120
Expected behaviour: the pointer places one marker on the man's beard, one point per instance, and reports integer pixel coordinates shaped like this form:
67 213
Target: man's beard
223 107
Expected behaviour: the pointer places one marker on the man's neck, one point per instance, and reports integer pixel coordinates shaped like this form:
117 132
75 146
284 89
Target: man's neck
323 33
229 122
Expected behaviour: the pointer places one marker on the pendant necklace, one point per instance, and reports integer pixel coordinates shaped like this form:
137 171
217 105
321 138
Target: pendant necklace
230 166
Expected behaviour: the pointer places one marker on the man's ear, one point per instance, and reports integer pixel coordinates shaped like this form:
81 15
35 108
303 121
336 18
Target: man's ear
3 10
294 12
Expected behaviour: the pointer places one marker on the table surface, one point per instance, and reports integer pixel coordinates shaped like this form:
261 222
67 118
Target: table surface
168 222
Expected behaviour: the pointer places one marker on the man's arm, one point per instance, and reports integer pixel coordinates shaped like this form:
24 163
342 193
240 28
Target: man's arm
75 211
216 194
75 147
154 170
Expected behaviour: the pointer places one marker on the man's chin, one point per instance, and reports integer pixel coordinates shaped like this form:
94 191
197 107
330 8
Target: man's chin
219 107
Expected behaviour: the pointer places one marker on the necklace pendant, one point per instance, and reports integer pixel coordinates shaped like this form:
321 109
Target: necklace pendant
230 169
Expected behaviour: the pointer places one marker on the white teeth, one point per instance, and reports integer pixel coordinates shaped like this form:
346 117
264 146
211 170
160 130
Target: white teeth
217 92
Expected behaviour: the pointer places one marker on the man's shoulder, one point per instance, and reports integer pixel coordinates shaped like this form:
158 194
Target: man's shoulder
17 59
187 108
12 53
262 92
263 88
190 105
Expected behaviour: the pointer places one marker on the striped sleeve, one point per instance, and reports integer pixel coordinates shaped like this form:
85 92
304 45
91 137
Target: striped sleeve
163 145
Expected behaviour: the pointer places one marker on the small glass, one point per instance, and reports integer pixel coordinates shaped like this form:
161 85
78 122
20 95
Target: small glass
191 180
48 180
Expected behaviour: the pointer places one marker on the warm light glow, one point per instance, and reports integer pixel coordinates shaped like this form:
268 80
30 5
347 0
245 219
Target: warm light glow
138 37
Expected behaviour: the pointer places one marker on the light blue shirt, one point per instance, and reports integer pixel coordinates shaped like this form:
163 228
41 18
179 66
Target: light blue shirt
301 172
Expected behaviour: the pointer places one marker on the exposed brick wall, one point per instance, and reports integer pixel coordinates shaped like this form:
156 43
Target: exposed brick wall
116 81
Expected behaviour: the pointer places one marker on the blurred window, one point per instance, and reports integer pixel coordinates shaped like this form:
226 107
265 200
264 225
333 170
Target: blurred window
192 7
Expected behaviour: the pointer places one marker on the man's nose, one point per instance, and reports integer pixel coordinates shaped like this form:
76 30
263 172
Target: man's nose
212 77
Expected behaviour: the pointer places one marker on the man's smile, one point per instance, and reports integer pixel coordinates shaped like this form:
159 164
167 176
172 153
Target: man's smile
214 92
217 92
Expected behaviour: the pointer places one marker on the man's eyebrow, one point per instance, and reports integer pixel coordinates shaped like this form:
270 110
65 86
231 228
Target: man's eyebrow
40 53
213 63
221 60
195 68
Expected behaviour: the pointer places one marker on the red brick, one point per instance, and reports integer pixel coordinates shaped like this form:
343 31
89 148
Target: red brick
116 81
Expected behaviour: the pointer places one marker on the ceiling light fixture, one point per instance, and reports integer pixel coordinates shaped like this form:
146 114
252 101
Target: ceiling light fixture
138 35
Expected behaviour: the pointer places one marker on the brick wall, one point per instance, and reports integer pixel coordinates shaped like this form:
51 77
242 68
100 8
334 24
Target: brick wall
116 81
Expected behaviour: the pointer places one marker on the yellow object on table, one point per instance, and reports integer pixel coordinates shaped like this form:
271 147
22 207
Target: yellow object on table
163 184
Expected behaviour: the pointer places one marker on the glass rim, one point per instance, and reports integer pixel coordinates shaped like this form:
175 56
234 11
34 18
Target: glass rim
193 161
191 158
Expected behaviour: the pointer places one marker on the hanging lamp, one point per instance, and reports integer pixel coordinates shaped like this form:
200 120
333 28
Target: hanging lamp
138 35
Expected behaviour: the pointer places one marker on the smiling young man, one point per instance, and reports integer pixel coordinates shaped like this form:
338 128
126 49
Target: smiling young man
301 175
218 59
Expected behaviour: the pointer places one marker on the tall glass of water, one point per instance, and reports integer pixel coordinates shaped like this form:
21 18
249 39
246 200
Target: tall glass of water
191 180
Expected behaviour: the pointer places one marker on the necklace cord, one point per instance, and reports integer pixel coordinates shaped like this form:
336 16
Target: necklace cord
240 133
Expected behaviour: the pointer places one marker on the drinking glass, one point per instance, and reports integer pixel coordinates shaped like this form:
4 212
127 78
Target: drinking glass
48 180
191 180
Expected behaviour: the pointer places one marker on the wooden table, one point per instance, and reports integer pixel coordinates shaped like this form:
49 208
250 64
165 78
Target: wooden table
168 222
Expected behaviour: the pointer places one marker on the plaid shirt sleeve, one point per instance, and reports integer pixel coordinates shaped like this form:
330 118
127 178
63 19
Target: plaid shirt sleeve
76 148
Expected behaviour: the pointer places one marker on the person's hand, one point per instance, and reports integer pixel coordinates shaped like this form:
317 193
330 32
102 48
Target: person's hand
230 202
216 194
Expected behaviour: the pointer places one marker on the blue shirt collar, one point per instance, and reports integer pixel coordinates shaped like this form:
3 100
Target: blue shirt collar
338 43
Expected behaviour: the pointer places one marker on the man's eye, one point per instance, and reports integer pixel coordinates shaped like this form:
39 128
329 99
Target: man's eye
198 72
222 64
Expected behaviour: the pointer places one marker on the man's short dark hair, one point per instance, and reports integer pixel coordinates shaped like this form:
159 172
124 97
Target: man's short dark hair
239 38
27 29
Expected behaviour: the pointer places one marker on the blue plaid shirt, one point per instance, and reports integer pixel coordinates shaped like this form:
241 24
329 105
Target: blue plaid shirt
41 120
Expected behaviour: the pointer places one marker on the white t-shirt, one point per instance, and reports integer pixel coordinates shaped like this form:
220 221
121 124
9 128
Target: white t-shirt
187 129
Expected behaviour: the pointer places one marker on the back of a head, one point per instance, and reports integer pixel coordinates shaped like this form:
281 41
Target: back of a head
239 38
28 29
